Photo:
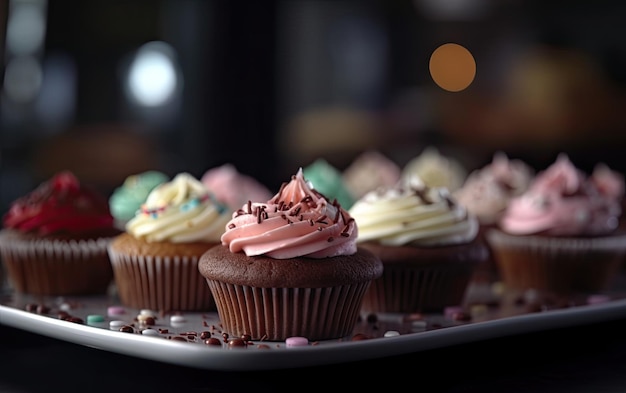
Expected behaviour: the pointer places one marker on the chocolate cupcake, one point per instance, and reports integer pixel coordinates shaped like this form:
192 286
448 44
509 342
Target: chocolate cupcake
290 267
427 242
562 236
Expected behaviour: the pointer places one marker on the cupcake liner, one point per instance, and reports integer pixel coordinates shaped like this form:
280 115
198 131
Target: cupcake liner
274 314
422 279
405 288
56 267
557 265
160 283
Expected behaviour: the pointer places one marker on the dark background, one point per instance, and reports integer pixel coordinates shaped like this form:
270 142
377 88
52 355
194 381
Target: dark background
271 85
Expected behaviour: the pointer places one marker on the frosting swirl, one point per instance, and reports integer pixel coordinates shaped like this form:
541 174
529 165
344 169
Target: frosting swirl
435 169
486 192
327 179
297 222
60 205
182 210
233 187
563 201
411 213
127 198
370 170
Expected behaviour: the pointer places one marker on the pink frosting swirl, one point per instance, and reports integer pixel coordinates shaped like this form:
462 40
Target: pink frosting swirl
297 222
233 187
563 201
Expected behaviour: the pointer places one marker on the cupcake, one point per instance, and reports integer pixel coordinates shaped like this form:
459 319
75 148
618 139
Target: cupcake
486 194
155 261
436 169
327 180
487 191
427 242
288 267
54 239
127 199
561 236
234 188
370 170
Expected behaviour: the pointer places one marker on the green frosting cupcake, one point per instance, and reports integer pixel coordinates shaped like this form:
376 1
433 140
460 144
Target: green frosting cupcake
328 180
127 199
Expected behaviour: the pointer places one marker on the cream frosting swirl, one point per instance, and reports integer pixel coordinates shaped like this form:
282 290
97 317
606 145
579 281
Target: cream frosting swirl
411 213
297 222
563 201
182 210
436 169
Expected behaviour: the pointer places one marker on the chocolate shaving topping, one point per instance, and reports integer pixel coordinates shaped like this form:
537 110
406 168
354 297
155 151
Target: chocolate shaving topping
422 193
346 228
280 193
449 201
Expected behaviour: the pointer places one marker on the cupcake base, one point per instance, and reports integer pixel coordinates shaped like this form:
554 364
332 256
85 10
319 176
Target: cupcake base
270 299
165 284
274 314
562 266
422 279
55 267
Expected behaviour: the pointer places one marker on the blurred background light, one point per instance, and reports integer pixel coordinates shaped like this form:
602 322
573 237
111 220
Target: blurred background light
26 26
452 9
452 67
22 79
152 78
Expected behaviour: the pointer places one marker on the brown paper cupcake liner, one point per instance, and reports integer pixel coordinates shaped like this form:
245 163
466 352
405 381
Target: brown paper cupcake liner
274 314
415 289
55 267
557 265
161 283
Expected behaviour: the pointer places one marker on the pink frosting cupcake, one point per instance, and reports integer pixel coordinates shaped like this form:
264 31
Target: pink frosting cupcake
289 267
561 236
234 188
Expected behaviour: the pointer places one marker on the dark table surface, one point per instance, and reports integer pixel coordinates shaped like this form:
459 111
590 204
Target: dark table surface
582 358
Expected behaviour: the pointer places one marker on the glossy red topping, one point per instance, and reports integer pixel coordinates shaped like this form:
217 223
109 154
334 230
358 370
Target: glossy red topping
59 205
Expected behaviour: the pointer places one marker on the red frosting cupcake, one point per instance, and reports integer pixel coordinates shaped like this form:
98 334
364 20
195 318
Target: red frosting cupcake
54 239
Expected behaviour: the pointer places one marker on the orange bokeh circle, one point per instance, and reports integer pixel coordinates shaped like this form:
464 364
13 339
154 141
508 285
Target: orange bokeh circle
452 67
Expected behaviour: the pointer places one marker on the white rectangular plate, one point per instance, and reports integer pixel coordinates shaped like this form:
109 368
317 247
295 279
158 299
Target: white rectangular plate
179 342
